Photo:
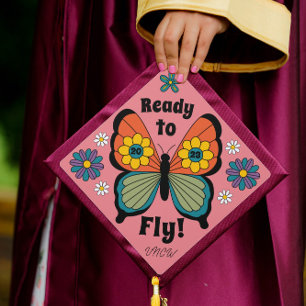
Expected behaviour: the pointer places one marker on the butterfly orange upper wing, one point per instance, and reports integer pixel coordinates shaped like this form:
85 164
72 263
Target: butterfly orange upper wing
130 130
203 135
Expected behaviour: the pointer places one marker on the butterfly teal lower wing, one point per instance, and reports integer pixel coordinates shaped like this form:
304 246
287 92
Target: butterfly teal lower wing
191 195
135 192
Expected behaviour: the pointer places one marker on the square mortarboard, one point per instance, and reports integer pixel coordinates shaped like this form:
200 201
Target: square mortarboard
166 168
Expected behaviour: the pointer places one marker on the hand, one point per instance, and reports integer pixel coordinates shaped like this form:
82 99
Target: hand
197 31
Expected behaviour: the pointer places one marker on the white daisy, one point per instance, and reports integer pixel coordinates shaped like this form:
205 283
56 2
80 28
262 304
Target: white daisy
225 197
233 147
101 188
101 139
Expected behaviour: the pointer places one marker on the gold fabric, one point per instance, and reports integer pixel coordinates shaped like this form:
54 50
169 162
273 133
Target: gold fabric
265 21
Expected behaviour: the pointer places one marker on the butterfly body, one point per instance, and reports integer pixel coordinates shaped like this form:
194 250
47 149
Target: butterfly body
164 180
183 176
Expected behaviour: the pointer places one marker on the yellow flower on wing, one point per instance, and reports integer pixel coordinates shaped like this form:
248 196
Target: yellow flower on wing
135 151
195 154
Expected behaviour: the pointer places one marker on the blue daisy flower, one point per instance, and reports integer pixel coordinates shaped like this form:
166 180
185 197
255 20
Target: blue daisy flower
169 82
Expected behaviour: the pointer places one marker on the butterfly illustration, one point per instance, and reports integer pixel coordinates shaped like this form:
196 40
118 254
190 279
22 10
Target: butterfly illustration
183 176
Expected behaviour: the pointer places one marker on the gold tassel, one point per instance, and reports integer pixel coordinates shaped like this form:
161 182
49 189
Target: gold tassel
156 298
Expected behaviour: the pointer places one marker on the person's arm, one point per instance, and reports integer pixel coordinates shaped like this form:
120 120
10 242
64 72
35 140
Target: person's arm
256 40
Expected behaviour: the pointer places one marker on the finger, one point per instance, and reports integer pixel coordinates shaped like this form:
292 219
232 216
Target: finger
187 50
171 39
159 49
205 39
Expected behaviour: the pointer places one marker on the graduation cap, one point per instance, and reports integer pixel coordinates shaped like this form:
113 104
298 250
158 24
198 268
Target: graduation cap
166 168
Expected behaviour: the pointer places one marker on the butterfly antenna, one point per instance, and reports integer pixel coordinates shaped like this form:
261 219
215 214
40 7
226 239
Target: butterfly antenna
170 149
161 148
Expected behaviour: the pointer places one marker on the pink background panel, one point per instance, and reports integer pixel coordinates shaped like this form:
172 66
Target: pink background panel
131 226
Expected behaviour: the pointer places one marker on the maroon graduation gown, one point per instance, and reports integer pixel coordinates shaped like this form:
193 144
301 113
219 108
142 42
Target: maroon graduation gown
85 52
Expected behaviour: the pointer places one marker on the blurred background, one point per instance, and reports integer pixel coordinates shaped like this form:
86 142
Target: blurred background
17 23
